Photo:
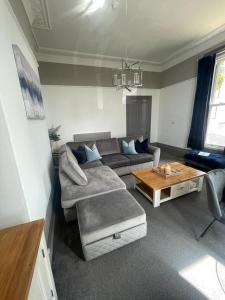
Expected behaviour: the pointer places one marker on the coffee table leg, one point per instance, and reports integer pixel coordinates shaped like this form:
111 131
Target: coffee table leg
156 198
200 183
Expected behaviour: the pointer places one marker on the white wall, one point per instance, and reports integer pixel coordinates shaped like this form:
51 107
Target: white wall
92 109
12 204
175 113
28 139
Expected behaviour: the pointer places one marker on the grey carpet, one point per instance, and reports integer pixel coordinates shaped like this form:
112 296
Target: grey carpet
168 264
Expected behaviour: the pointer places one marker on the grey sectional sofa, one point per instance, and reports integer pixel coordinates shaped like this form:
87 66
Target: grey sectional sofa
113 157
108 215
102 175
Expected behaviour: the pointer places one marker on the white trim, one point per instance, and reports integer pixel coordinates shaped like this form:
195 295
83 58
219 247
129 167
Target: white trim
214 38
88 59
211 40
41 13
214 147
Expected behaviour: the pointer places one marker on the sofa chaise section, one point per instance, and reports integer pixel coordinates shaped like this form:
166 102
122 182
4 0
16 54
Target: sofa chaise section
101 180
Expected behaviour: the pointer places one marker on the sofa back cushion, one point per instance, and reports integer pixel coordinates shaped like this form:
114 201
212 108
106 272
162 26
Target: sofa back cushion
92 153
105 146
128 139
108 146
141 147
69 165
75 145
80 155
129 148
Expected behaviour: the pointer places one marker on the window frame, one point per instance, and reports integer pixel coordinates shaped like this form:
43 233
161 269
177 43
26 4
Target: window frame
219 56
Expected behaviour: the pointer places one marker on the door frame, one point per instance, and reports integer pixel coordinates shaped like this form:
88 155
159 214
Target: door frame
137 98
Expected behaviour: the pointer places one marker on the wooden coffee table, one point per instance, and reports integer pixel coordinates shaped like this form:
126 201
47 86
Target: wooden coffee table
158 189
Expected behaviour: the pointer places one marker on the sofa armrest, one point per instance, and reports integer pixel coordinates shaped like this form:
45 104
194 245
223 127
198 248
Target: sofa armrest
155 151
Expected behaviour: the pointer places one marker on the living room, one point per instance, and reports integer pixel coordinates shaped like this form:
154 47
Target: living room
112 158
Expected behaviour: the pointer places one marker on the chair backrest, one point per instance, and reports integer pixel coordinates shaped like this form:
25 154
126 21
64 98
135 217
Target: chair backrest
215 183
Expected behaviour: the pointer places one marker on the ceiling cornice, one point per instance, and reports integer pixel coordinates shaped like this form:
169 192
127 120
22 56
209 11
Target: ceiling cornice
41 12
213 39
38 13
81 58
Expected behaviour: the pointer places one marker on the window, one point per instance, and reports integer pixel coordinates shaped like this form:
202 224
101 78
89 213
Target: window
215 136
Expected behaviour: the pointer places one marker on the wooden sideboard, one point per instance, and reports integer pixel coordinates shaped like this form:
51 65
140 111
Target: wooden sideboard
25 270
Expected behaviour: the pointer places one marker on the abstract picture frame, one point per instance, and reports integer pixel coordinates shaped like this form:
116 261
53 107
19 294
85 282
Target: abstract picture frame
30 86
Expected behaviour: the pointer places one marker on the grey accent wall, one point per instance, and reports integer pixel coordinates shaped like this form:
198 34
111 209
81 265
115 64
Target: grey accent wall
180 72
66 74
77 75
186 69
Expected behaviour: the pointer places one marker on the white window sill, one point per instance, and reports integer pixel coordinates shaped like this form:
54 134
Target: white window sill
214 148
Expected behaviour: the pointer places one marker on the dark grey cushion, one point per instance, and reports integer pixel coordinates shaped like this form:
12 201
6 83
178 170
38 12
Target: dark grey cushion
139 158
74 145
115 160
107 214
108 146
91 164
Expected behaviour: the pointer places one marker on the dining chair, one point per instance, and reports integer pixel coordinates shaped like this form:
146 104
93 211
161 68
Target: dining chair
215 185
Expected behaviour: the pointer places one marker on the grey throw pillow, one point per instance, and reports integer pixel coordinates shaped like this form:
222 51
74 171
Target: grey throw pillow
70 166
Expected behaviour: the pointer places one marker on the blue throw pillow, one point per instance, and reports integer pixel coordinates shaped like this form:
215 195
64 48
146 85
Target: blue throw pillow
92 153
80 155
129 148
141 147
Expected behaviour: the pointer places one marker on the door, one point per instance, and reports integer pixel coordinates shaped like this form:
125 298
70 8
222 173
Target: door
138 113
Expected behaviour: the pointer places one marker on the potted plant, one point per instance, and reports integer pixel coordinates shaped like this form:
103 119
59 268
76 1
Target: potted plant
54 137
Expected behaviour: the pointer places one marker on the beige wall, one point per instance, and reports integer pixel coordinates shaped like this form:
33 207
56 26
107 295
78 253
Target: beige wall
180 72
77 75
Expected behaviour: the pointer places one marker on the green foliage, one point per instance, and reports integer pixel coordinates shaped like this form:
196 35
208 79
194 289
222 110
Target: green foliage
219 80
53 135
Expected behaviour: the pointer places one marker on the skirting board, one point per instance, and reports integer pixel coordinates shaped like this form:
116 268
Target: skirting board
176 151
180 152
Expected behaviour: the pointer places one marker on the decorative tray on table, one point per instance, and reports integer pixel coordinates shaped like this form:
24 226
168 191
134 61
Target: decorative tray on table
166 171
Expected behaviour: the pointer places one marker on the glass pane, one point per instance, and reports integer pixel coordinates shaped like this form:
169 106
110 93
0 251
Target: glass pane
216 121
218 95
216 126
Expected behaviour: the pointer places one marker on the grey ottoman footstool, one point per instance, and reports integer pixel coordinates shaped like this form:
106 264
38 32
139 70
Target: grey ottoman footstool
109 221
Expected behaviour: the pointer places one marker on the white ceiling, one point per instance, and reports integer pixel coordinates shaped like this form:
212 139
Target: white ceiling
153 30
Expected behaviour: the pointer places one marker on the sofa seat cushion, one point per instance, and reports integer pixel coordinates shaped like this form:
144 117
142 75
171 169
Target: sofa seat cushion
101 180
139 158
108 214
115 160
91 164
